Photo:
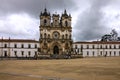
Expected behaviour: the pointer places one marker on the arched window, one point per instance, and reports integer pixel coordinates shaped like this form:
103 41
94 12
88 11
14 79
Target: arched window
55 22
66 23
62 36
45 21
41 36
45 35
66 45
48 35
66 36
69 36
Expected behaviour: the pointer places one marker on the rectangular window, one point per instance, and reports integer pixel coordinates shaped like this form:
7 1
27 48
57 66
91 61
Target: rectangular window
22 53
100 46
87 53
93 53
29 53
87 46
114 46
22 45
5 54
106 46
106 53
93 46
15 45
35 52
75 46
35 45
81 46
29 46
101 53
119 53
110 53
15 52
110 46
78 50
114 53
5 45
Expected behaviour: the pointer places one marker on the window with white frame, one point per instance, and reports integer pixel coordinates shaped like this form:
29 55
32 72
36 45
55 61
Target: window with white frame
35 45
87 46
87 53
114 53
29 53
22 53
5 45
93 53
110 53
22 45
15 53
15 45
29 45
101 53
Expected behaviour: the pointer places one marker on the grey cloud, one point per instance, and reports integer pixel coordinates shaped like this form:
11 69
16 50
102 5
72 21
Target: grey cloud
33 7
90 23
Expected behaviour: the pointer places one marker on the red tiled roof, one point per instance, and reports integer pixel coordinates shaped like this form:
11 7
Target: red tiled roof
19 40
98 42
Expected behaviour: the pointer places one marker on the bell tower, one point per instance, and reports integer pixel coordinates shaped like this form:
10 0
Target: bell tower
67 30
66 19
45 18
45 23
55 20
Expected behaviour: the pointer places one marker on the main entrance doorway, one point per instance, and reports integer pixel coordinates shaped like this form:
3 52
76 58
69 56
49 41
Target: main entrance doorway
56 50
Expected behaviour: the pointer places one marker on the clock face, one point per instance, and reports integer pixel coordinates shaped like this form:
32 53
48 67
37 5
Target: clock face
55 35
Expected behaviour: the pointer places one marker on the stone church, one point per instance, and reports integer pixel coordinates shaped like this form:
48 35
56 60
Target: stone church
55 33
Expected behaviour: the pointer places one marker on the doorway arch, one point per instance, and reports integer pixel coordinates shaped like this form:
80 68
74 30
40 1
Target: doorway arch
56 50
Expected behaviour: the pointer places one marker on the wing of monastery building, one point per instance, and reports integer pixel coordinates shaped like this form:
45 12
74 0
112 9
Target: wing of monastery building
18 48
97 48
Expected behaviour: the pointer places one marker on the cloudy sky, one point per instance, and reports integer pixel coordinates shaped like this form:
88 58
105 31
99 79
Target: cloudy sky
90 18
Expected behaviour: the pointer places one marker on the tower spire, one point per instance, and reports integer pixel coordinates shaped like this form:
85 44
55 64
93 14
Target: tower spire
45 10
65 12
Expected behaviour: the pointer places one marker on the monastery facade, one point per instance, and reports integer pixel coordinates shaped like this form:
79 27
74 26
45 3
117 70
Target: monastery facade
56 39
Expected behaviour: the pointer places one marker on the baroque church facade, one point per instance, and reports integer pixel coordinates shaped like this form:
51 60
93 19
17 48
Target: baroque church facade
55 33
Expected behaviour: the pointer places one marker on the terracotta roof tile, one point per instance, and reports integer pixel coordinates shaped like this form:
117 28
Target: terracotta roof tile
19 40
98 42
